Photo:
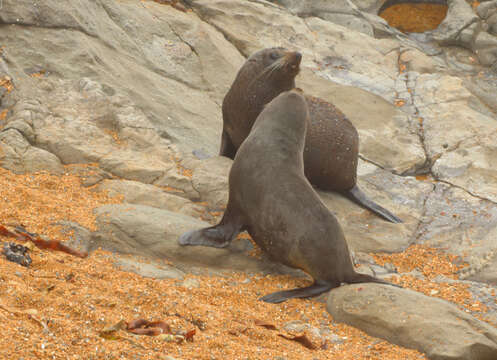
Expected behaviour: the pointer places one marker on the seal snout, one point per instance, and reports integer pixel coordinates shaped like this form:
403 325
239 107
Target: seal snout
293 60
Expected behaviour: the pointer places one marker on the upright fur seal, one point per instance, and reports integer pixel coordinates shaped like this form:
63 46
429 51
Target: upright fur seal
332 142
276 204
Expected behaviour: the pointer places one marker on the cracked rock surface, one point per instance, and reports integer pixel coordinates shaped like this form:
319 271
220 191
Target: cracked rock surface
134 88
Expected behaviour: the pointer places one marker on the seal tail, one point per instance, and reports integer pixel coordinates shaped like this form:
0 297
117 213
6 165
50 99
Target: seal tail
356 195
364 278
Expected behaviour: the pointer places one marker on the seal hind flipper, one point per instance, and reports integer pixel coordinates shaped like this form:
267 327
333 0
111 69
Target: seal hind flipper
356 195
314 290
364 278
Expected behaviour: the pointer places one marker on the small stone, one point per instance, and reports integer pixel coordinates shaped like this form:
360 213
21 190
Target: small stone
390 267
191 283
296 326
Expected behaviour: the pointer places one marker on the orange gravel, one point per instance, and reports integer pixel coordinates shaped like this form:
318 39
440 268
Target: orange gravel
414 17
77 298
430 261
57 308
39 200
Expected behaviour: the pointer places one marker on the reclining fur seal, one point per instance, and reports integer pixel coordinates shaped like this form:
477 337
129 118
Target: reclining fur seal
332 142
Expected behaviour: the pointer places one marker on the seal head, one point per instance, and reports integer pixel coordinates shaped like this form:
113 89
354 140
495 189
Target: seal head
265 74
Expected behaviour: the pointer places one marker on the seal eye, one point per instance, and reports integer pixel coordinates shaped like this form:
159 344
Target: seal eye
274 55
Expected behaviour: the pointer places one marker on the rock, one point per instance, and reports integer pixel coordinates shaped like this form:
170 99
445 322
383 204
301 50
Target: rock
482 89
149 270
80 238
463 224
90 175
485 46
419 62
470 166
190 283
370 64
134 166
459 16
492 24
487 271
297 326
152 232
341 12
166 65
210 180
486 9
365 231
135 192
179 182
442 103
253 29
306 8
17 155
350 21
407 318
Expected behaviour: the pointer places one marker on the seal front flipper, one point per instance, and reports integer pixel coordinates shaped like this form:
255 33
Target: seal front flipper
314 290
356 195
218 236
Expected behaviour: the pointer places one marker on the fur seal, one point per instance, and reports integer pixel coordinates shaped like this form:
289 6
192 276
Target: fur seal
332 142
276 204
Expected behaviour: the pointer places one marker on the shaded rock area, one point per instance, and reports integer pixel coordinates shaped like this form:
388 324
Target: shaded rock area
413 320
133 90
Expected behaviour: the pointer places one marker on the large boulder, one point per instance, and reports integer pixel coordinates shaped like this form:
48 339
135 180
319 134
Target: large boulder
435 327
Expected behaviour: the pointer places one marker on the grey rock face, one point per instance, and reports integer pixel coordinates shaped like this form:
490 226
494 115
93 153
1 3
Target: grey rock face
466 227
17 155
486 9
81 238
459 16
152 232
210 179
154 271
364 231
104 41
135 192
341 12
413 320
